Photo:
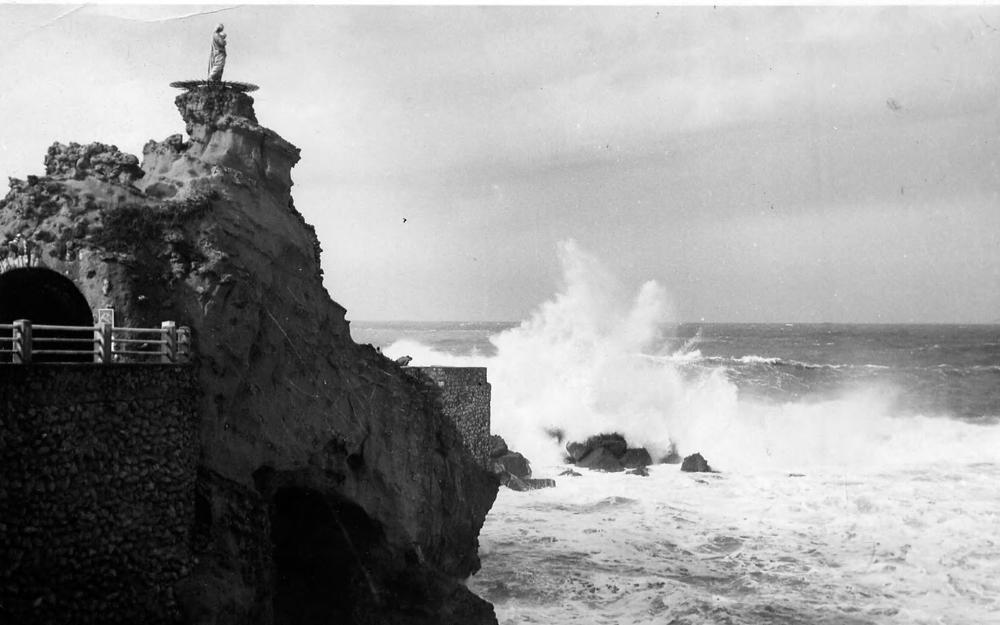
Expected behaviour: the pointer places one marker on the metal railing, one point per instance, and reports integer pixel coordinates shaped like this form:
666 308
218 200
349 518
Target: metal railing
22 342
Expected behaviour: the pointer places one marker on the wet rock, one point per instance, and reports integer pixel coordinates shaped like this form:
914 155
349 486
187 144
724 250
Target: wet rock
614 443
513 463
498 446
518 484
540 482
636 457
576 451
601 459
642 471
571 473
695 463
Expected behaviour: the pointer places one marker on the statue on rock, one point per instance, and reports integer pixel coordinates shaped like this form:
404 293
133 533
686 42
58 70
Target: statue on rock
216 65
217 59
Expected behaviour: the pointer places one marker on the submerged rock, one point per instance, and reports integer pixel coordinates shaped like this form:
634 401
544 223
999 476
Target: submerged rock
571 473
642 471
695 463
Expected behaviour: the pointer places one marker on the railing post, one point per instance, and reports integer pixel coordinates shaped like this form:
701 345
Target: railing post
22 341
168 350
102 342
105 332
183 344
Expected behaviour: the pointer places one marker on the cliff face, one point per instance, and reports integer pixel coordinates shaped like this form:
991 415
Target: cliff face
330 486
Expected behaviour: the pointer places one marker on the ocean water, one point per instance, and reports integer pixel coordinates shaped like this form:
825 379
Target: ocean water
859 465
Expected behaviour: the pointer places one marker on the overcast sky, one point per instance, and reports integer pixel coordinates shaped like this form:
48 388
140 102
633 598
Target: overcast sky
762 164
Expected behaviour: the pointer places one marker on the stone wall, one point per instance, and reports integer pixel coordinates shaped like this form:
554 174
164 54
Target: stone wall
97 490
465 398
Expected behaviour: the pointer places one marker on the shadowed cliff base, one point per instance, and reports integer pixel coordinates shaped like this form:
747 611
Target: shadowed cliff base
320 553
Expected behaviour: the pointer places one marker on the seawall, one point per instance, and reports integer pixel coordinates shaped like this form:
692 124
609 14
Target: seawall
465 399
97 491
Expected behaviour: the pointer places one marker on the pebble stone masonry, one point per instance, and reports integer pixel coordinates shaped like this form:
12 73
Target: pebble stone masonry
97 474
465 399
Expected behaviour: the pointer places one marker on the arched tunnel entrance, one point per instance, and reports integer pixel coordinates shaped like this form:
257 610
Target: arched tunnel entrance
320 546
45 297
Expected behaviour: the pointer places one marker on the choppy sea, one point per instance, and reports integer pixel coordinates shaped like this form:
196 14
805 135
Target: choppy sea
859 466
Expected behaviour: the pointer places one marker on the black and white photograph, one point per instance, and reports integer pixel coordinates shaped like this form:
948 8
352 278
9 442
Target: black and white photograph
348 314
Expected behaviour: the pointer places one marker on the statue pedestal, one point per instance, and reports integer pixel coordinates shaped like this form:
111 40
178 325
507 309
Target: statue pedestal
242 87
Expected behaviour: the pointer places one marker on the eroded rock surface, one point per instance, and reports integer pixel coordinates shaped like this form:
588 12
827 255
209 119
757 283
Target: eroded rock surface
330 488
610 452
607 452
696 463
512 468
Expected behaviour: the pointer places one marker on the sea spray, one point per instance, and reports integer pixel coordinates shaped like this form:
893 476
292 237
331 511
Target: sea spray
859 465
594 358
579 365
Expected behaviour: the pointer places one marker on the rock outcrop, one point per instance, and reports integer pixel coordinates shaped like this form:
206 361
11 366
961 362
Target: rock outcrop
329 487
607 452
512 468
696 463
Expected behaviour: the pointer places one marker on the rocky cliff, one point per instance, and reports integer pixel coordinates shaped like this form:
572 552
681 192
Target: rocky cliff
330 487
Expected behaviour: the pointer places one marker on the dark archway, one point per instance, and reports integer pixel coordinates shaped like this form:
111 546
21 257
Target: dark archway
45 297
320 545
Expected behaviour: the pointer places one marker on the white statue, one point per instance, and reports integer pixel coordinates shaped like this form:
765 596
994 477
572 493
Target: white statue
217 59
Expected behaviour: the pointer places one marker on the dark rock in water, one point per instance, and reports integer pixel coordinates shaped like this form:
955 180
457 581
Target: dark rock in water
643 471
672 456
796 475
614 443
513 463
543 482
576 451
695 463
601 459
498 446
515 483
571 473
635 458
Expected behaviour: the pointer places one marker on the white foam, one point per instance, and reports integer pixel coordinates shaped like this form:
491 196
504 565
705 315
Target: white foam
893 547
591 360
